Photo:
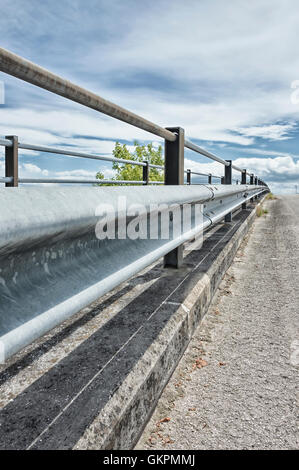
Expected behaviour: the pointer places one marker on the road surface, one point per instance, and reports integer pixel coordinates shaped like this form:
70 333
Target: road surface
235 387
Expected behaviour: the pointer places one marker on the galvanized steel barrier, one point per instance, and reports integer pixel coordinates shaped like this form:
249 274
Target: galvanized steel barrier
52 264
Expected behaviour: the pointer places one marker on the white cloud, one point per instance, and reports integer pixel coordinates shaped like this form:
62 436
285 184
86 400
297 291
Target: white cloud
223 72
282 172
279 168
30 169
228 86
267 152
271 132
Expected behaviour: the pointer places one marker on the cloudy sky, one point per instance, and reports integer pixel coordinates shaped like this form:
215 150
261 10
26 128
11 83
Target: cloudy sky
223 71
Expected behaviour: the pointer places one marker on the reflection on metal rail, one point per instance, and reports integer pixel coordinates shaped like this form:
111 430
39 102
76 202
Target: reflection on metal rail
52 264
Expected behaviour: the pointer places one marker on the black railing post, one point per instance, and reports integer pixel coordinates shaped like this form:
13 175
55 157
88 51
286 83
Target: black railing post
145 172
222 180
210 178
11 161
252 183
174 175
256 183
188 176
228 180
243 181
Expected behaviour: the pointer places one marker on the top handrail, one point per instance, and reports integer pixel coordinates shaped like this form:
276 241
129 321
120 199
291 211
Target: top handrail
29 72
190 145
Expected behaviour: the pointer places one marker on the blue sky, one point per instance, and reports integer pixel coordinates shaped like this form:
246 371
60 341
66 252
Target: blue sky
222 70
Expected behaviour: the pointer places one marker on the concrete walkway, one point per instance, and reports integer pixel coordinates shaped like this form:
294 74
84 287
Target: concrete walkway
235 387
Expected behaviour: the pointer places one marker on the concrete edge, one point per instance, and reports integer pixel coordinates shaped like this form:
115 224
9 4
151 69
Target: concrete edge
121 422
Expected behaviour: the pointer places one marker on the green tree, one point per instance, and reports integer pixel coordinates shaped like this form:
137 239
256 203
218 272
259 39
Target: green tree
128 171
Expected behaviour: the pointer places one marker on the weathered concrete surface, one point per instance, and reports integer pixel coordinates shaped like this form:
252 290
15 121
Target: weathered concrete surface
235 387
92 382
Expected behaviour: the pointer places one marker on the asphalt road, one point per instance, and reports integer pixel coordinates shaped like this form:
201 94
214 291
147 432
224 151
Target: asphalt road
235 387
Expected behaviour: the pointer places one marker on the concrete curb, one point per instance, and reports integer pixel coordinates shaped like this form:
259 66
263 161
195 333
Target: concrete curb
122 419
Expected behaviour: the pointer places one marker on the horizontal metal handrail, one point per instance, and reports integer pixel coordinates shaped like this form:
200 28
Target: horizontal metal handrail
196 173
42 148
4 179
5 143
188 144
32 73
200 150
77 154
203 174
80 181
29 72
196 148
235 167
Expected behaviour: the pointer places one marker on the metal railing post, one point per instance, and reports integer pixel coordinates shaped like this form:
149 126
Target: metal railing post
11 161
256 183
210 178
243 181
252 182
228 180
188 176
145 172
222 180
174 175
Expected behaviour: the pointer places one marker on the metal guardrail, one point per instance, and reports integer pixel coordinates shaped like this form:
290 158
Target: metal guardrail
52 265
